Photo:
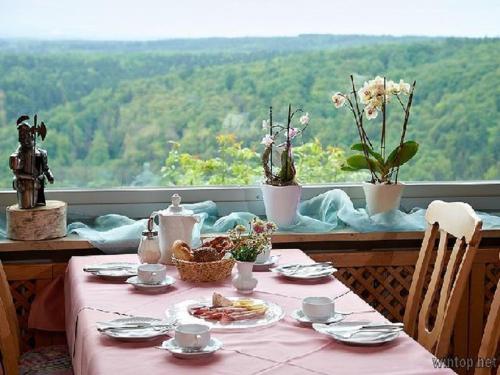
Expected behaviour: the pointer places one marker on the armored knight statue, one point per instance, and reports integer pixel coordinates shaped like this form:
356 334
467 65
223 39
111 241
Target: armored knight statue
29 164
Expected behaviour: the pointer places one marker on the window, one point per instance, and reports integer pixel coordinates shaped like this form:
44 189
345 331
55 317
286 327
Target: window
156 93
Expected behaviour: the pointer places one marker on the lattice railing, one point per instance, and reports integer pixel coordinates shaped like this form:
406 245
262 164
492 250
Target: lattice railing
383 287
23 294
491 276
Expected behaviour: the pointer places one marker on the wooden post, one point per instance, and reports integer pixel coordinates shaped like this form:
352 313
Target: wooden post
40 223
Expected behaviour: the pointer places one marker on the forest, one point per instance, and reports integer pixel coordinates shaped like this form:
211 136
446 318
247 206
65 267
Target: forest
189 112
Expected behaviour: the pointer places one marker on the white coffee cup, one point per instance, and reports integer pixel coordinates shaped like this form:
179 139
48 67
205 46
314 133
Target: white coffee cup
192 336
264 256
318 309
151 273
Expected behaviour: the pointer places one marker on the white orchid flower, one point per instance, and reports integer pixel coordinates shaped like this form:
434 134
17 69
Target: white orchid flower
338 100
371 112
304 119
392 87
366 93
267 140
292 133
265 124
404 87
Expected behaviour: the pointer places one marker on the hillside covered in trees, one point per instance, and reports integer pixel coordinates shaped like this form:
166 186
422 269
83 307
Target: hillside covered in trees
190 112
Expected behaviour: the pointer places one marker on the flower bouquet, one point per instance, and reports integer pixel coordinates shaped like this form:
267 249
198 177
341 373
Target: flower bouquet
247 246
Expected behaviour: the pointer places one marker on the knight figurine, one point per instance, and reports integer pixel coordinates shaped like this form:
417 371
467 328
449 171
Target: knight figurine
29 165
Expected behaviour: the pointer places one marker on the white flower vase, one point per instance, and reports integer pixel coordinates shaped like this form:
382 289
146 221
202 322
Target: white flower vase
382 197
243 281
281 203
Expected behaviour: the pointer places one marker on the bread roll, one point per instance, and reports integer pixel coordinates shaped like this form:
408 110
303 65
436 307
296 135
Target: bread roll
182 251
206 254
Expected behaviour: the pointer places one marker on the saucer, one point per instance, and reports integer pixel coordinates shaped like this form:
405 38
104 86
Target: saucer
265 266
299 316
160 287
177 351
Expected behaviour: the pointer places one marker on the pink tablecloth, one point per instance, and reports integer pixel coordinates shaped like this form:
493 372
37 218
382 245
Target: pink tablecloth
285 348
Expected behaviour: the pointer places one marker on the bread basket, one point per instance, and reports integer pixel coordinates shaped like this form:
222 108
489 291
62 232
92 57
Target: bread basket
204 271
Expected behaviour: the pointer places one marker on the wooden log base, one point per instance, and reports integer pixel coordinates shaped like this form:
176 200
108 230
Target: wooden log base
40 223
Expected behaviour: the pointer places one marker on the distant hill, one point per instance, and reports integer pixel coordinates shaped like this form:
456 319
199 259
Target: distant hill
109 113
304 42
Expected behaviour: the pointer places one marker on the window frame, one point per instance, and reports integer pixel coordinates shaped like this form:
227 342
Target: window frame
140 202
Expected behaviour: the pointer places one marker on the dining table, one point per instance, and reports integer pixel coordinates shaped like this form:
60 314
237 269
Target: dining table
287 347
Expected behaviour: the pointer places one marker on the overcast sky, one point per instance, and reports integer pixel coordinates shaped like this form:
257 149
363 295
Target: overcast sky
158 19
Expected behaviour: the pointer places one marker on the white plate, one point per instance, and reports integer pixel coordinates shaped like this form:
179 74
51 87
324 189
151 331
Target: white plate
179 312
135 334
338 330
305 271
177 351
299 316
112 270
153 288
271 262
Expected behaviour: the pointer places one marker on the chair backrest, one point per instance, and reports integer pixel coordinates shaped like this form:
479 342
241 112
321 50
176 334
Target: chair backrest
491 335
444 220
9 328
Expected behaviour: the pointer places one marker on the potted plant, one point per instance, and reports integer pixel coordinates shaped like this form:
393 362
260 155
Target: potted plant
280 189
246 249
383 191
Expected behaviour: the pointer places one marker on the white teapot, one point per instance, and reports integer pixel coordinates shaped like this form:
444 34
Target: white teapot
176 223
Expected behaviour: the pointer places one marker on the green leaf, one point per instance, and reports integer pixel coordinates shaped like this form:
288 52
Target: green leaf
408 151
361 162
346 168
361 147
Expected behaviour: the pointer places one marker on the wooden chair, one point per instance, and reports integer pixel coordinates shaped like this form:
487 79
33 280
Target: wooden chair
43 361
444 219
491 335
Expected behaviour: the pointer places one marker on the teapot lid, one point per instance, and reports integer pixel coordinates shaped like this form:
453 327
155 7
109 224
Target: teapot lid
176 208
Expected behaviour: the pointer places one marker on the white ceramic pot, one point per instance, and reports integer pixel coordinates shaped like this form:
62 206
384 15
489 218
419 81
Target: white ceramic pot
382 197
281 203
244 282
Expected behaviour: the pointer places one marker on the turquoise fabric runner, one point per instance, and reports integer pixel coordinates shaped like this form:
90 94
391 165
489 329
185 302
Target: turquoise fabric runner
327 212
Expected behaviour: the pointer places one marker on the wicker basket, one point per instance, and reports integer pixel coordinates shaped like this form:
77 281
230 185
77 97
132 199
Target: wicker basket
204 271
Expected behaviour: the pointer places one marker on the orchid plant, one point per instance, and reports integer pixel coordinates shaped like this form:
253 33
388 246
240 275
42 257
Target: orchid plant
248 245
371 99
286 174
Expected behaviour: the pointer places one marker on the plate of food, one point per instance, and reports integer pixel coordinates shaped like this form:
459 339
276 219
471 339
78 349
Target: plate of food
227 313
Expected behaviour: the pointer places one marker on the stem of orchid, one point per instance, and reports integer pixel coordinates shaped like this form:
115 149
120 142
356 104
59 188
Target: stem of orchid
287 150
405 126
362 135
382 138
271 134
